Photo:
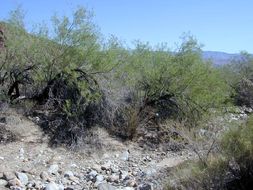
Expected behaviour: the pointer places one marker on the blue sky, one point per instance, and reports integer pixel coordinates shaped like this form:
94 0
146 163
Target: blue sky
221 25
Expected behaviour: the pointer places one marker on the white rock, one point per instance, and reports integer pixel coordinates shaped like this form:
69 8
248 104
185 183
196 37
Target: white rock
128 188
93 173
123 174
73 166
114 169
60 187
114 178
21 151
53 169
3 182
99 178
106 186
125 156
52 186
22 177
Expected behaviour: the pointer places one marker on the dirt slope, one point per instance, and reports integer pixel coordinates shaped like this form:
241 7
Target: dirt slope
114 164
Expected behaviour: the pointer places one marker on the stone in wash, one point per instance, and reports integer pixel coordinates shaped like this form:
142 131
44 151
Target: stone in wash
22 177
53 169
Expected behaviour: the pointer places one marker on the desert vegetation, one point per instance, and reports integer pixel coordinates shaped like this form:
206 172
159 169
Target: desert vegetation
73 79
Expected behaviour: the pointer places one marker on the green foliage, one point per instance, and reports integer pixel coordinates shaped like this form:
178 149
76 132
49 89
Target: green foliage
230 169
239 75
16 17
238 143
72 57
193 84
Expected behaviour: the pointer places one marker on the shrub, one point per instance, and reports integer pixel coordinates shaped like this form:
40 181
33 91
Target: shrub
179 85
239 75
231 170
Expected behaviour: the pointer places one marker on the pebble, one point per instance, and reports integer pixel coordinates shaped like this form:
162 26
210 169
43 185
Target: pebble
106 166
68 174
125 156
44 176
99 178
106 186
96 167
128 188
3 182
145 187
114 169
123 175
8 176
132 183
52 186
53 169
114 178
15 182
16 188
22 177
93 173
74 179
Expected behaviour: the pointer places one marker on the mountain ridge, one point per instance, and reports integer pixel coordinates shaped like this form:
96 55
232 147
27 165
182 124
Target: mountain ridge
220 58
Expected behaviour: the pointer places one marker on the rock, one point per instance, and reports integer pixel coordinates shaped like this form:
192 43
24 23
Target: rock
114 169
38 185
21 153
52 186
125 155
68 174
106 166
30 185
128 188
1 158
1 175
15 182
96 167
3 120
3 182
93 173
106 186
145 187
147 159
123 175
131 183
134 173
113 178
61 187
8 176
44 176
73 166
99 178
53 169
16 188
22 177
74 179
150 171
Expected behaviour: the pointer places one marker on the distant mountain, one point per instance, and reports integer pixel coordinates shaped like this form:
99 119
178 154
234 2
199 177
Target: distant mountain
220 58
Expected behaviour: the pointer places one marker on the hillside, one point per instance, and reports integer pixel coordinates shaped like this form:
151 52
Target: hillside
220 58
